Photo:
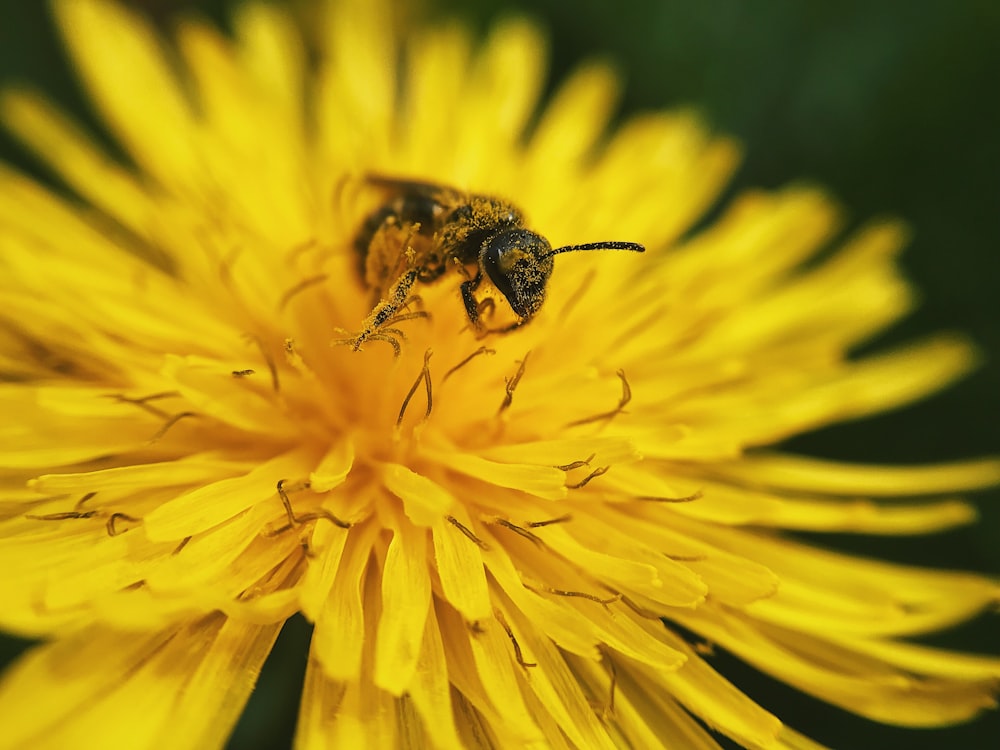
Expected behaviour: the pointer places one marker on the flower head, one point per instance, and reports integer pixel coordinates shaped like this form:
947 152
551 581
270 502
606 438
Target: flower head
243 380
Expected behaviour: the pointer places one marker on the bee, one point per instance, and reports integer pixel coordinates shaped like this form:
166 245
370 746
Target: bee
423 230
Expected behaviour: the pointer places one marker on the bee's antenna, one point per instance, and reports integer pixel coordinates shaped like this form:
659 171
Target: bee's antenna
634 247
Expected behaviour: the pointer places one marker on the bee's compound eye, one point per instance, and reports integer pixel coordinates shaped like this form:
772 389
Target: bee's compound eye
519 264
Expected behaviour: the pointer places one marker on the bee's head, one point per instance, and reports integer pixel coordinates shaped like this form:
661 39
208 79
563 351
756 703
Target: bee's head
519 263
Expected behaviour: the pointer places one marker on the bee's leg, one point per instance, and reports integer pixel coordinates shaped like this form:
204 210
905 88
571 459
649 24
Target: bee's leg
487 306
509 327
396 299
485 331
469 298
385 312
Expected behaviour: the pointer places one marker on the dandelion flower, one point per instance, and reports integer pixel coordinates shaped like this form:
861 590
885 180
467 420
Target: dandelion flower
517 539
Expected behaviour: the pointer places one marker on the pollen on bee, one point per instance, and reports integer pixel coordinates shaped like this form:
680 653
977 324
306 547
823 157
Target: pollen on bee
422 230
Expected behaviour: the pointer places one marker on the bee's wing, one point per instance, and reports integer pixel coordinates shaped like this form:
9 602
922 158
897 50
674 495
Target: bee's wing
395 186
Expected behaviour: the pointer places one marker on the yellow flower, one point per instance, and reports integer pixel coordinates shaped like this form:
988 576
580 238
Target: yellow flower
531 538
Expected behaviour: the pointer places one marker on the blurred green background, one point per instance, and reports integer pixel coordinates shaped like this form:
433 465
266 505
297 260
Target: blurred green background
892 104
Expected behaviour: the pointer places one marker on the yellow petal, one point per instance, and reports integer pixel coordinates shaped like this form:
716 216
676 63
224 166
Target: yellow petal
575 118
541 481
334 467
636 567
424 501
713 699
406 592
167 473
189 682
867 687
460 568
817 475
77 159
431 689
558 691
319 577
202 508
101 36
340 633
483 669
321 697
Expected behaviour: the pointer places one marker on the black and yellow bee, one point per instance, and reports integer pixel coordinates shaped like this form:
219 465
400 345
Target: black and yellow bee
423 230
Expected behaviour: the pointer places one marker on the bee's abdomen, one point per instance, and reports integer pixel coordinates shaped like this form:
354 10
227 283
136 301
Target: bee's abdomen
363 239
408 209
